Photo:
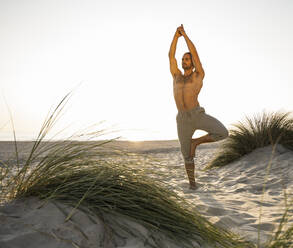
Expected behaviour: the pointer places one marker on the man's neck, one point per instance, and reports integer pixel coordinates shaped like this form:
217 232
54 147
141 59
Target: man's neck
187 72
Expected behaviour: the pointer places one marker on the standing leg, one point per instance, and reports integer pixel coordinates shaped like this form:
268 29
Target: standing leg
185 132
189 167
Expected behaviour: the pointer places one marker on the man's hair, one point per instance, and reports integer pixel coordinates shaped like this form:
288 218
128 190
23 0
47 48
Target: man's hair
190 58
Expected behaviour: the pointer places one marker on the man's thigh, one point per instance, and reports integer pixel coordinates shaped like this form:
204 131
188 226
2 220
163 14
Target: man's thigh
185 130
211 125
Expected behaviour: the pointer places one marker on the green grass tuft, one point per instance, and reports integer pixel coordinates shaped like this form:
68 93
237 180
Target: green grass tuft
259 131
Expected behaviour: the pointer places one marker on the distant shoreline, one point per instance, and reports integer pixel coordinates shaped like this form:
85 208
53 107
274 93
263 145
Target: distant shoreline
156 146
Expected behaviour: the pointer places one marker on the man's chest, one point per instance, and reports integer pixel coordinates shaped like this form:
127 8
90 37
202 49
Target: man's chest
181 83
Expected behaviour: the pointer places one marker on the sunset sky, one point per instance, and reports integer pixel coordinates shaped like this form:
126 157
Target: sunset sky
114 55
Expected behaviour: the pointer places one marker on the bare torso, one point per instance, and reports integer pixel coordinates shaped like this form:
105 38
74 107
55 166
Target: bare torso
186 90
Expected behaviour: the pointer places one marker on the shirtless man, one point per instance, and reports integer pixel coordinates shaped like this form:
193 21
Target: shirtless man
191 116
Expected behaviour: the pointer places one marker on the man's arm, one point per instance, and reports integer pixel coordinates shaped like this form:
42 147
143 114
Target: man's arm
173 62
192 50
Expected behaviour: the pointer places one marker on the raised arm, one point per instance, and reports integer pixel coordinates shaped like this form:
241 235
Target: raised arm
192 50
173 62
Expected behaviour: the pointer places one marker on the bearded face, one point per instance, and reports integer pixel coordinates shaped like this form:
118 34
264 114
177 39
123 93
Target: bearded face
187 62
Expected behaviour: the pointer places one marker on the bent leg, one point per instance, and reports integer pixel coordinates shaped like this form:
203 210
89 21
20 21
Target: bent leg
215 129
195 142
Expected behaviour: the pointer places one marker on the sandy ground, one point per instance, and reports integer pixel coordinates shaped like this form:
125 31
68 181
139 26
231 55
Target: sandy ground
231 197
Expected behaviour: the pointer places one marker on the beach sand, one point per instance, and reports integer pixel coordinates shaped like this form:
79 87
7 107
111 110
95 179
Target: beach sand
231 197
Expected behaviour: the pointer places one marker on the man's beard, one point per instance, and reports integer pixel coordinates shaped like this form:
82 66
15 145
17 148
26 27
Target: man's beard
185 67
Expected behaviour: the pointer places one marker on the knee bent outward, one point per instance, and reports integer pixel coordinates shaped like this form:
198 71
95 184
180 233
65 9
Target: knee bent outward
222 134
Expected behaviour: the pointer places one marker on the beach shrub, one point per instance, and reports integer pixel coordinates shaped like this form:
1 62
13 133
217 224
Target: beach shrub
80 175
254 132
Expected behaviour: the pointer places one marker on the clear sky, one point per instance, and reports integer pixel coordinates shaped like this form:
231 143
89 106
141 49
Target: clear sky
114 54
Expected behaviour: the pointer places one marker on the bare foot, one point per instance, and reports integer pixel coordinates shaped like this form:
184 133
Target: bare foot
193 146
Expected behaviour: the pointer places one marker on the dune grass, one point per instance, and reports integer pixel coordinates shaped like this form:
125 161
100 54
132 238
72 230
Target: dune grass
254 132
284 240
281 238
77 173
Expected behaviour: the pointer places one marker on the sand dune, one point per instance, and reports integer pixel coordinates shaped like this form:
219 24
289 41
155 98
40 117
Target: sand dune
34 223
231 197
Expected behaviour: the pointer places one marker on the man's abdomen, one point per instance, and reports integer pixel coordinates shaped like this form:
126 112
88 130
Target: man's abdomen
184 103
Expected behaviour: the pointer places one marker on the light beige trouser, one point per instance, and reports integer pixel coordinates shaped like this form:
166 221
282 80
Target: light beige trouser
191 120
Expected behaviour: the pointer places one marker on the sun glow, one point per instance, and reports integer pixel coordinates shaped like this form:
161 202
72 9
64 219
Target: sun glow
118 54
